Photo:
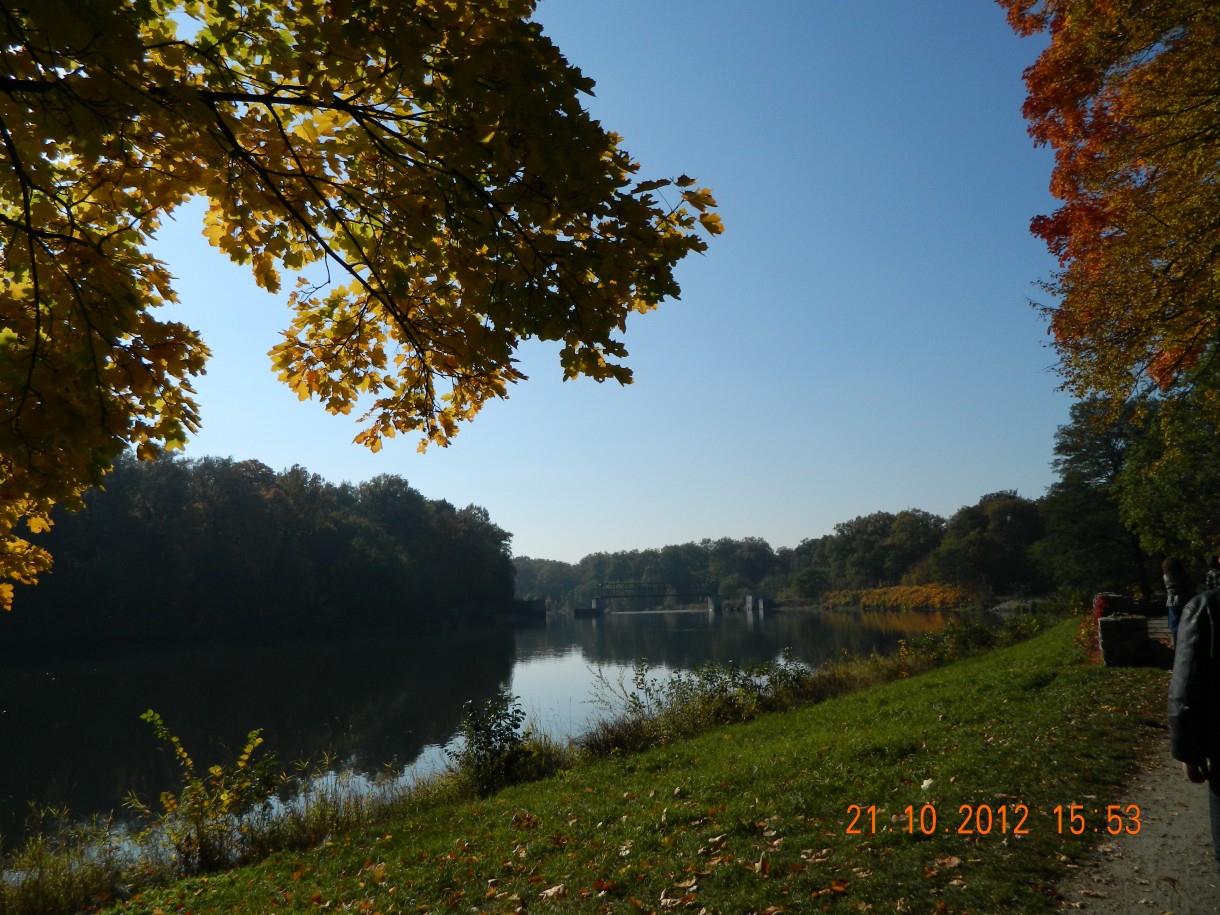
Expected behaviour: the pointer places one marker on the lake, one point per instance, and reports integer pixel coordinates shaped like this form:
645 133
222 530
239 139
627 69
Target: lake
71 735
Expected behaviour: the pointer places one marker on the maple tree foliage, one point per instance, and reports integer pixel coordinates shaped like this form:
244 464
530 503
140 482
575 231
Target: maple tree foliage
1127 93
431 160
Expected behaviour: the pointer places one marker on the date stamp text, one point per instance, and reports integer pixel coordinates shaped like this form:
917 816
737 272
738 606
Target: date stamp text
990 819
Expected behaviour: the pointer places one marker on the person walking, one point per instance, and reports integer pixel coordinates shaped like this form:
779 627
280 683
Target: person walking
1212 578
1179 588
1194 701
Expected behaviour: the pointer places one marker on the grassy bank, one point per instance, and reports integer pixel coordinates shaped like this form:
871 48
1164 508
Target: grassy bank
754 817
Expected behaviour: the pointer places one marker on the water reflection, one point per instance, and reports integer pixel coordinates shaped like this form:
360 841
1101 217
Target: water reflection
70 735
684 639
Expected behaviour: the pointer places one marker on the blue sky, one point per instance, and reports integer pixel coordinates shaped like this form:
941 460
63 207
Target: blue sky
859 339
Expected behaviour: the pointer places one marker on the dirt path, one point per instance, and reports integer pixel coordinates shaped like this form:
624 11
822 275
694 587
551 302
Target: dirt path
1168 867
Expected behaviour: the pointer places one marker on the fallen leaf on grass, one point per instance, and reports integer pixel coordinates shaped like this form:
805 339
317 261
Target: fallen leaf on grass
670 902
523 819
836 886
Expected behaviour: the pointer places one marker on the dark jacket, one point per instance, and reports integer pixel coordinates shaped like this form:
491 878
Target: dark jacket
1194 691
1178 591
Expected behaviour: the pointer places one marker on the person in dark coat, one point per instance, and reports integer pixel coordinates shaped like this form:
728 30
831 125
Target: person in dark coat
1194 701
1179 588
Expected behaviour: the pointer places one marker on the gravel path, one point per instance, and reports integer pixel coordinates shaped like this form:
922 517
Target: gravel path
1168 867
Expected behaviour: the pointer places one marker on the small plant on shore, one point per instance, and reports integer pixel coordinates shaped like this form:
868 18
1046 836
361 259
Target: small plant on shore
974 632
492 751
319 799
652 711
207 824
61 865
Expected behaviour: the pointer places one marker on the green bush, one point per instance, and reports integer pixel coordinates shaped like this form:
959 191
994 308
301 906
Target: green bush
208 825
491 749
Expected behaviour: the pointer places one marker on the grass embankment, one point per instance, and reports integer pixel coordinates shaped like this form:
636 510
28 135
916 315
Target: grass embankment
754 817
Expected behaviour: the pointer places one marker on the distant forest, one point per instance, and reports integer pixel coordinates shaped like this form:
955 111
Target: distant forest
1002 546
1104 524
990 548
186 553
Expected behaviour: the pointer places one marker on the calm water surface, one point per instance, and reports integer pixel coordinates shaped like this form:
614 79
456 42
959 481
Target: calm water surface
70 735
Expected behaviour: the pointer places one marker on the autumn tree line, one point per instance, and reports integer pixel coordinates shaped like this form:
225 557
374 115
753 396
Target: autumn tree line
190 553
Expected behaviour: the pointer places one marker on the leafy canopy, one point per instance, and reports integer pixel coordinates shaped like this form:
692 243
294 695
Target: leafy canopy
1127 94
431 160
1169 489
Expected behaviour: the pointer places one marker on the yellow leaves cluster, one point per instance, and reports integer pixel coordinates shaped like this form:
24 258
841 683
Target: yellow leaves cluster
933 596
434 155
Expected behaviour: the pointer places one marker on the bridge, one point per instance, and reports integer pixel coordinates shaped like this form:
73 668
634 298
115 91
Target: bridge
652 591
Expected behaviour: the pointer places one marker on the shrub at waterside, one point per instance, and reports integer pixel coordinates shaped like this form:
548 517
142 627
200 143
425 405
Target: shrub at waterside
211 822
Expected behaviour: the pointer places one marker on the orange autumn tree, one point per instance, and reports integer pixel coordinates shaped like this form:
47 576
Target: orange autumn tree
427 167
1127 94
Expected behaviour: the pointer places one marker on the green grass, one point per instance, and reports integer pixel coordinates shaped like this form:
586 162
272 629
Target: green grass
753 817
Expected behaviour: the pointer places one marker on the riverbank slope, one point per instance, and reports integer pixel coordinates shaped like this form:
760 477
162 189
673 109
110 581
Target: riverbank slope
956 790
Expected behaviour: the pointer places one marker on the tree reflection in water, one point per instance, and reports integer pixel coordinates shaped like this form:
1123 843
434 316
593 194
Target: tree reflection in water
72 735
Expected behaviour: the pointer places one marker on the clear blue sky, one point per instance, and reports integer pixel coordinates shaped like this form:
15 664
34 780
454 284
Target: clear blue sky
860 339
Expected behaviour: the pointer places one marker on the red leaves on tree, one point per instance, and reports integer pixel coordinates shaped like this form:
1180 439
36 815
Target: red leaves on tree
1128 96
